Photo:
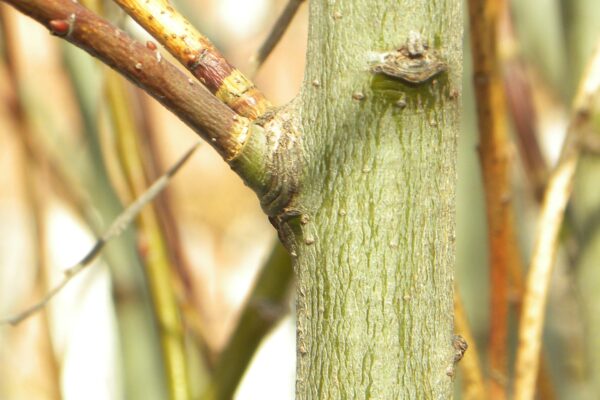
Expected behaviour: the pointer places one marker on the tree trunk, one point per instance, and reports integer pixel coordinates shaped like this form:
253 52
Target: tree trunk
374 247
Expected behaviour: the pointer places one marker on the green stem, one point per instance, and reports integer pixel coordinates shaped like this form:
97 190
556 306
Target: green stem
157 264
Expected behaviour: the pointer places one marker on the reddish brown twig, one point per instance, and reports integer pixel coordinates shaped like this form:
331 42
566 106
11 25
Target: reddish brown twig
144 66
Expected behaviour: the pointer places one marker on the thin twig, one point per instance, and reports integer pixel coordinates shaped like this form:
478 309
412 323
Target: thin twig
495 160
115 229
145 67
197 54
558 191
275 35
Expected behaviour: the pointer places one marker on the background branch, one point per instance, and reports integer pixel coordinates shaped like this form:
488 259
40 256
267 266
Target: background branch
484 17
115 229
276 33
557 194
152 246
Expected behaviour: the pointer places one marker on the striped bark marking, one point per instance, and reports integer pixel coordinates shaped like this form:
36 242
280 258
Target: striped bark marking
198 54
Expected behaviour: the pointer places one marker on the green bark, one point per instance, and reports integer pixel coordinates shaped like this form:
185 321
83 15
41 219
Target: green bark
374 245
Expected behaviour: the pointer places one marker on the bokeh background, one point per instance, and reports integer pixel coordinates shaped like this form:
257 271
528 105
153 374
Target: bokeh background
61 183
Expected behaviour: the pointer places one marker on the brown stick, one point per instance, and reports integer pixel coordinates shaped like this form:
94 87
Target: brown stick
495 160
145 67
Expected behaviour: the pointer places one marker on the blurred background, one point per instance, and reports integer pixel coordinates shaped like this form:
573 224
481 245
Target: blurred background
67 172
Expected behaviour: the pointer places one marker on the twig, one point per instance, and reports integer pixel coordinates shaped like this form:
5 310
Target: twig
557 194
115 229
495 161
144 66
276 33
197 54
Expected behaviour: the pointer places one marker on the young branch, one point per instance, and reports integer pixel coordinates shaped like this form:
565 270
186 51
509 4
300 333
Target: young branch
198 54
116 228
277 31
558 191
144 66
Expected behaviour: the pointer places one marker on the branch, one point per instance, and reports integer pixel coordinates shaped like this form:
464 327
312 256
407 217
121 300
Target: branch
116 228
495 161
198 54
144 66
556 196
277 31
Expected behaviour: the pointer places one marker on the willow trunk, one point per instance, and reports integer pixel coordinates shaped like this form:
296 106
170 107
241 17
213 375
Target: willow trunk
374 248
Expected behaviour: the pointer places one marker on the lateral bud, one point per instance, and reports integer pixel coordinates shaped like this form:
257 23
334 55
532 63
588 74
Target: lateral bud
62 27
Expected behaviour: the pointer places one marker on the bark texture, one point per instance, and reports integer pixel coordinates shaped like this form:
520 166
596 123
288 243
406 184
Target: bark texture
374 242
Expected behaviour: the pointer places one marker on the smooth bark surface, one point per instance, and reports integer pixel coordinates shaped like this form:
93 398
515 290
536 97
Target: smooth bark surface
374 248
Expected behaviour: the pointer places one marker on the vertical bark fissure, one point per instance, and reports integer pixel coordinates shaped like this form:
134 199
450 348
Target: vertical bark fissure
375 249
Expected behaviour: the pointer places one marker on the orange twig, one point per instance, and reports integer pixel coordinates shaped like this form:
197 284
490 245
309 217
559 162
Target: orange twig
495 159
